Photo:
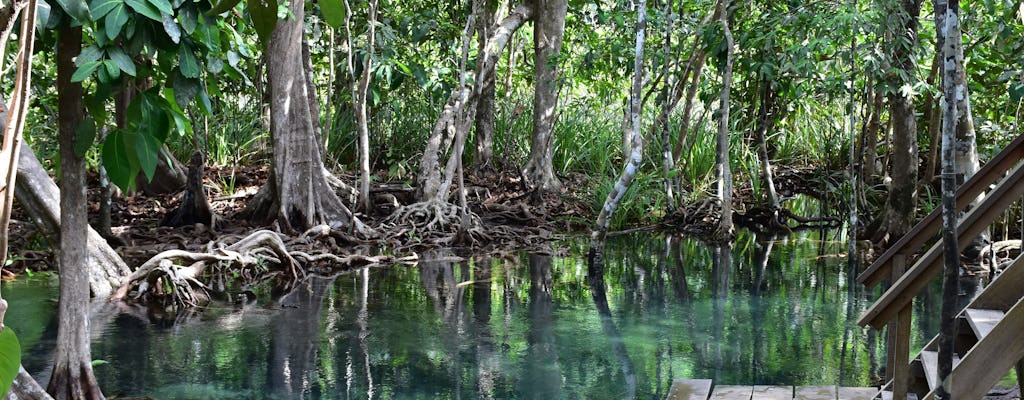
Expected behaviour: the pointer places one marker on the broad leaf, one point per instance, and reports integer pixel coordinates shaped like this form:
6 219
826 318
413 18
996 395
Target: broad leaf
185 89
123 61
10 359
147 149
43 16
204 98
115 20
188 63
85 134
214 64
112 69
77 9
88 55
121 165
100 8
163 5
188 16
143 7
84 71
171 27
333 12
264 17
182 125
222 7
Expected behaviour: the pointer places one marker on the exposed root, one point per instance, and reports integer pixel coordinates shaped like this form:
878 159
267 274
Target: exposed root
436 223
191 278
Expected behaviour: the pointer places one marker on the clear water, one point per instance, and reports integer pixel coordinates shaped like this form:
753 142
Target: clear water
530 326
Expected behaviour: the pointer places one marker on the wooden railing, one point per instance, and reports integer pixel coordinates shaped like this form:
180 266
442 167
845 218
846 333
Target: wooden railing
894 306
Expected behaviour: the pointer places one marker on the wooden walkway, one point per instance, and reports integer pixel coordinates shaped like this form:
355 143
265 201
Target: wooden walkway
701 389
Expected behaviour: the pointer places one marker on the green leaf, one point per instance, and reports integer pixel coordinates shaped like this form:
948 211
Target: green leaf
77 9
85 71
204 98
99 8
112 69
115 20
42 16
10 358
124 62
188 63
333 11
1017 90
182 124
143 7
264 17
171 27
188 16
88 54
222 7
121 165
99 362
185 89
147 149
85 134
214 64
163 5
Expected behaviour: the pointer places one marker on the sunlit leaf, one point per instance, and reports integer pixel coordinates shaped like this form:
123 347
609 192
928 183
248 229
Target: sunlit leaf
100 8
163 5
145 8
10 358
171 27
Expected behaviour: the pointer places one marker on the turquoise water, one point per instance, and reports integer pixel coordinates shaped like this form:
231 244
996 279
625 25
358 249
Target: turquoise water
523 326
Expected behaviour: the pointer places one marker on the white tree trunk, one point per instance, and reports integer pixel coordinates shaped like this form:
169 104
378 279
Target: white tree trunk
365 202
611 202
723 171
548 29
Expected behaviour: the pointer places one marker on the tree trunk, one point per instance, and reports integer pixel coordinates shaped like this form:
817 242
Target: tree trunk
933 113
364 131
72 376
668 92
39 197
956 107
871 135
693 72
548 28
636 139
428 179
25 387
484 124
723 172
763 122
298 195
901 206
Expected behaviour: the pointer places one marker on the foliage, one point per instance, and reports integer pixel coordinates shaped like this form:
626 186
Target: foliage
10 358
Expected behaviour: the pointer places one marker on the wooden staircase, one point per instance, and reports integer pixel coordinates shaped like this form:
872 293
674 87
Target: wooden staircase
990 330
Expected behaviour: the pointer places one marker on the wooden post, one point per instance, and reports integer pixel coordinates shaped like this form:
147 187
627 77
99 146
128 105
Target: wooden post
900 344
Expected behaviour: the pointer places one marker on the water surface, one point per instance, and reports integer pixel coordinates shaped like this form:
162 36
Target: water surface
778 312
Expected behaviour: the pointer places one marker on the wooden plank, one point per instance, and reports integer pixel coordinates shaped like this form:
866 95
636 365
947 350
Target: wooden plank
902 293
689 389
857 393
982 321
930 362
815 393
929 226
1005 289
985 364
728 392
773 392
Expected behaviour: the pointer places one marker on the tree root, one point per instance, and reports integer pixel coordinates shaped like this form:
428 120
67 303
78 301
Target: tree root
190 278
437 223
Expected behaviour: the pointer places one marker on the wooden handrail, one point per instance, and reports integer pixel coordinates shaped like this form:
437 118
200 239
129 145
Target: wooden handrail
901 293
928 227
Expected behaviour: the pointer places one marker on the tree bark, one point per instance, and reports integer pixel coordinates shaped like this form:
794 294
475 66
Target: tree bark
298 195
871 135
364 131
901 206
723 172
611 202
38 195
955 159
763 123
72 376
933 113
484 124
548 28
25 387
668 92
428 179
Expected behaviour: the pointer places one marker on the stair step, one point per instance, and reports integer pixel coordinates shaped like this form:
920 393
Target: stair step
930 362
887 395
982 321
